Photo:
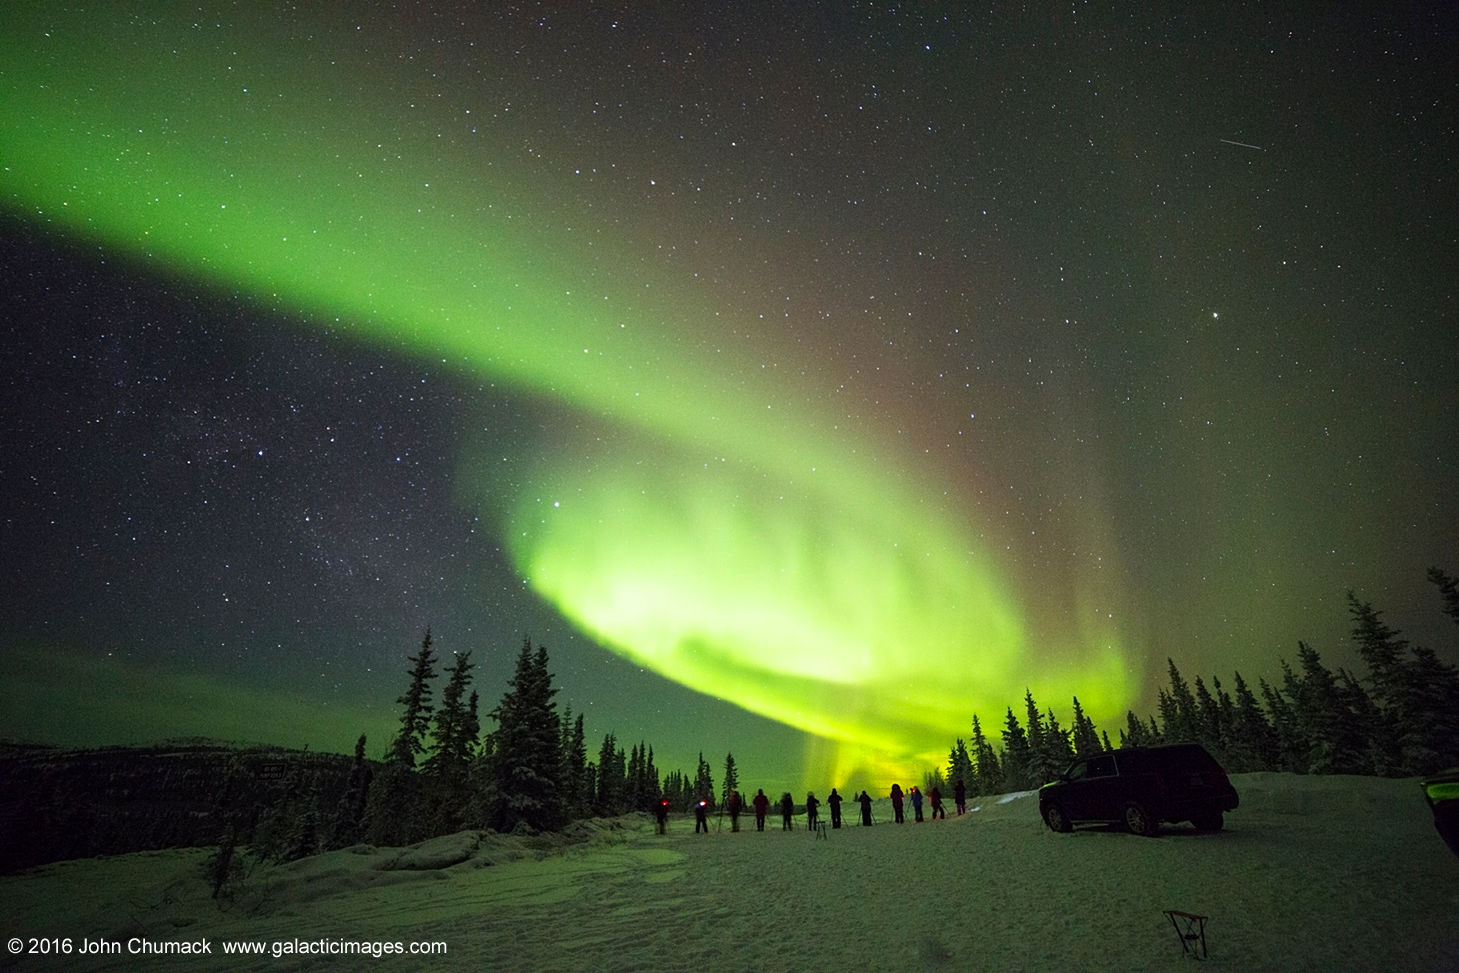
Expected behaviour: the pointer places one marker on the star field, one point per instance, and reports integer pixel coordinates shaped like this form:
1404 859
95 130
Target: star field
806 381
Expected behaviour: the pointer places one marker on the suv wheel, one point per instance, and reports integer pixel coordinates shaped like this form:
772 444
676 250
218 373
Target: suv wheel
1208 821
1138 820
1056 819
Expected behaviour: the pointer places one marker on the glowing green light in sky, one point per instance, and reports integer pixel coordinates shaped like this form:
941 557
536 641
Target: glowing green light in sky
723 528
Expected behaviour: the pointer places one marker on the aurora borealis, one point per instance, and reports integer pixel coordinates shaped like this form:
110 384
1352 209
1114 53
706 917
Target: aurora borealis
855 369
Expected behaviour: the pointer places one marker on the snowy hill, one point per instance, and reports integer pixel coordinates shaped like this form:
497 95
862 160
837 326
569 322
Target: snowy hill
1311 873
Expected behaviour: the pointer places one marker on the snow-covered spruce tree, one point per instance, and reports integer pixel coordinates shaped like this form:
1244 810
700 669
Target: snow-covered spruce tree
1416 695
1253 743
448 763
527 763
1329 715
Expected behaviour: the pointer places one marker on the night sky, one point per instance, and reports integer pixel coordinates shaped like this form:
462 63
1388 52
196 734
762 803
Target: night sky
805 380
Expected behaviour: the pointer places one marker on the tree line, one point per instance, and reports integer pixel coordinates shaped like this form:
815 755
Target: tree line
531 772
1399 718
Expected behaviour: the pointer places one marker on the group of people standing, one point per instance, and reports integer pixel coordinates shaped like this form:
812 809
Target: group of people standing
737 805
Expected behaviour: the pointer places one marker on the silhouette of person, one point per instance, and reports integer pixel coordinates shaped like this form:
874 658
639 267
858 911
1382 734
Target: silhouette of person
661 815
736 805
701 816
960 795
917 804
865 801
812 810
897 803
938 811
835 804
762 807
787 809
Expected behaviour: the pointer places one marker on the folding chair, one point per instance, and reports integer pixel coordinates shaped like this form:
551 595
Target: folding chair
1191 929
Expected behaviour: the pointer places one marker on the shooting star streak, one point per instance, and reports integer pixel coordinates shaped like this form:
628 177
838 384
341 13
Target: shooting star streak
1244 145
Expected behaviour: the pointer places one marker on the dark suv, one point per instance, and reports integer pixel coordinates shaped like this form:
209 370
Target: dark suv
1141 787
1442 792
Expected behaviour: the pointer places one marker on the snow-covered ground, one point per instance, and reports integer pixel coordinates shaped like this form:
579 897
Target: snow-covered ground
1318 873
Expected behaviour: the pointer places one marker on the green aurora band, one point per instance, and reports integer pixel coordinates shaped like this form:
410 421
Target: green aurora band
697 514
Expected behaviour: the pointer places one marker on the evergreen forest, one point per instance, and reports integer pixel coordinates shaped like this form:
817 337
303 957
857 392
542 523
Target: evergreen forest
532 772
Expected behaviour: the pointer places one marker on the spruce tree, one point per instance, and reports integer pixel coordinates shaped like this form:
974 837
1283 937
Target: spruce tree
1432 743
988 772
1328 716
731 779
577 792
527 763
653 777
1135 734
1035 764
1017 756
612 778
1253 741
1086 738
676 789
415 720
960 764
1383 650
1057 753
1416 694
456 726
394 810
703 781
454 745
1448 591
349 817
637 785
1209 729
1291 744
1181 725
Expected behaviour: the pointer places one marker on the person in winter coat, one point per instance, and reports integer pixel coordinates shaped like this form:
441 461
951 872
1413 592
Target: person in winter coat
701 815
787 810
762 807
897 803
960 796
736 805
917 805
938 811
661 815
865 801
812 810
835 803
